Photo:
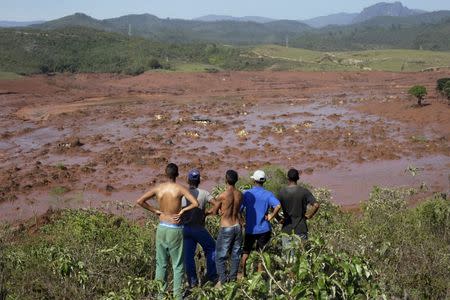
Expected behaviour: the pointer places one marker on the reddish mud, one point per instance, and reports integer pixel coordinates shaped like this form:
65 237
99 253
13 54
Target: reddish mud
100 140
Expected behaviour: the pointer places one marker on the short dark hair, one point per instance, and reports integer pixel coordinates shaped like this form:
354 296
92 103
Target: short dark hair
293 174
231 176
172 171
194 182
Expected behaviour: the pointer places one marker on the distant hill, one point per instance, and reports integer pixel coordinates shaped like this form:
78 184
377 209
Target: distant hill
425 18
75 20
185 31
418 31
382 33
334 19
395 9
6 24
214 18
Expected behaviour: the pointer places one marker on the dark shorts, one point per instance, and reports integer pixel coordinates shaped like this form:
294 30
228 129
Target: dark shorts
261 240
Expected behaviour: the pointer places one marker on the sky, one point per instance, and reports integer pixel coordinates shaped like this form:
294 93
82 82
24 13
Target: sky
28 10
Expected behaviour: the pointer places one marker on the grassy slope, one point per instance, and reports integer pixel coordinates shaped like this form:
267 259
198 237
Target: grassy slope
383 60
9 76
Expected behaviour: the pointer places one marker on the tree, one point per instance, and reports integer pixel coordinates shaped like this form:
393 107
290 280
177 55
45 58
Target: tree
154 64
418 91
446 90
440 83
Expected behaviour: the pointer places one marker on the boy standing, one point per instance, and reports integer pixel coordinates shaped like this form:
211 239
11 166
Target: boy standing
257 202
194 232
169 234
230 233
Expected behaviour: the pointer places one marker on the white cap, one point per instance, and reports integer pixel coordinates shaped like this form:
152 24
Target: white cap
259 176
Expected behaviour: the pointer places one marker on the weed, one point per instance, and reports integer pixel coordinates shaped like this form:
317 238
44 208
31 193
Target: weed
58 190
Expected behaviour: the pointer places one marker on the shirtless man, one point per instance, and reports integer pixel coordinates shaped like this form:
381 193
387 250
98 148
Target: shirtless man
230 233
169 235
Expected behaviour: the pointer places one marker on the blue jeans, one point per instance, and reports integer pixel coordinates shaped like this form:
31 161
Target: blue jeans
193 235
228 240
290 243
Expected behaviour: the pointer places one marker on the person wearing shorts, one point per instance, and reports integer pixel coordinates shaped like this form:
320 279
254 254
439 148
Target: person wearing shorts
256 204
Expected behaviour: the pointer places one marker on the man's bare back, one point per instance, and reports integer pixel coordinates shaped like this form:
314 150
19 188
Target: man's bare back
229 203
169 196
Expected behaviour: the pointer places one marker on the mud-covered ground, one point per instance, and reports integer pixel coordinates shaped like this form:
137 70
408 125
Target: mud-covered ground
91 140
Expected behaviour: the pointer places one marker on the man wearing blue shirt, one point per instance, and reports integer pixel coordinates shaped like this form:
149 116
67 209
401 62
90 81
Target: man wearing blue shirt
257 202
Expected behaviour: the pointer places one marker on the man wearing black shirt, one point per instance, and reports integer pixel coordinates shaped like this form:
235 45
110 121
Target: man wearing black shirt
294 200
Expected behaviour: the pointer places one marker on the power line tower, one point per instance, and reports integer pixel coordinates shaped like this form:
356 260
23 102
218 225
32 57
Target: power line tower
129 29
287 41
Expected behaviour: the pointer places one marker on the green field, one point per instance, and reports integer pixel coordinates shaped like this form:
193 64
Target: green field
395 60
194 67
9 76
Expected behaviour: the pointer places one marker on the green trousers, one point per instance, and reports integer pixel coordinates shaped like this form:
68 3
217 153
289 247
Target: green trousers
169 243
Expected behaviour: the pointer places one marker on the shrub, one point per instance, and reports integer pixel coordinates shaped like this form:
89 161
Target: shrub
79 255
418 91
134 70
312 270
440 83
446 90
154 64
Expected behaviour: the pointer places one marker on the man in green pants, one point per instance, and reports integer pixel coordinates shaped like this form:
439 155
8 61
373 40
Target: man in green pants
169 235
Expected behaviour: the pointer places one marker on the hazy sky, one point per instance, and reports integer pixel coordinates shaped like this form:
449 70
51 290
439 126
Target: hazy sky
26 10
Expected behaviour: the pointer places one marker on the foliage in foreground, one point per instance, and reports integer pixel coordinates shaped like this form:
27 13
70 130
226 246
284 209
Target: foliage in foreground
304 271
389 249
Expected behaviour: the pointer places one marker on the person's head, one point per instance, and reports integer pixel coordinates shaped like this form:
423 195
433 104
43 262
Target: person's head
293 175
172 171
259 177
194 177
231 177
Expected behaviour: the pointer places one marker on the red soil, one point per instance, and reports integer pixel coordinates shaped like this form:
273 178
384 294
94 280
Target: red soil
106 138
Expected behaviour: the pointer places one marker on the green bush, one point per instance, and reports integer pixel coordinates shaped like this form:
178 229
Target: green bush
407 246
79 255
154 64
446 90
314 270
418 91
440 83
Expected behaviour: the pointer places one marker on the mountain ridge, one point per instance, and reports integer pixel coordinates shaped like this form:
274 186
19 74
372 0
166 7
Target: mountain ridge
6 23
215 18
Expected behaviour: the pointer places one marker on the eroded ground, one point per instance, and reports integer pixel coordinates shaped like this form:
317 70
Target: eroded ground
92 140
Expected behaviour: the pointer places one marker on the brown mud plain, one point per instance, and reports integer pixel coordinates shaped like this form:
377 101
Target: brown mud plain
100 140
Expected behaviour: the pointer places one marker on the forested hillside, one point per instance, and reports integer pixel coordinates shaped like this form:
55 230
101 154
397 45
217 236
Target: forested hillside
88 50
428 31
363 37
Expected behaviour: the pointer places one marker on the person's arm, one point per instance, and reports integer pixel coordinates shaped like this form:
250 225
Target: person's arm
312 211
314 206
211 201
217 204
192 200
142 201
276 205
274 213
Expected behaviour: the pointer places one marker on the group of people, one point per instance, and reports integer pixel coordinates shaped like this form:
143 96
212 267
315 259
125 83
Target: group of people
182 212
